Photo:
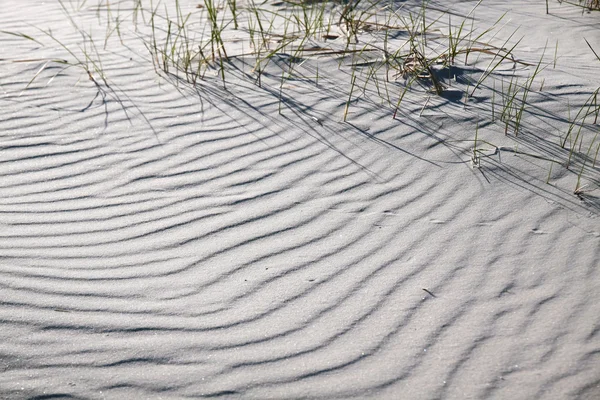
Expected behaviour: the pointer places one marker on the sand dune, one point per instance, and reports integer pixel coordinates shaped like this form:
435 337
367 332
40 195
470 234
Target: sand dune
166 240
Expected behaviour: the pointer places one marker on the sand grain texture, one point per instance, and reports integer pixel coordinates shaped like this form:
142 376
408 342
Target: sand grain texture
160 240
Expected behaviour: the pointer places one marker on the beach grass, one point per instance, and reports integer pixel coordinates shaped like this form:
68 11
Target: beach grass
386 51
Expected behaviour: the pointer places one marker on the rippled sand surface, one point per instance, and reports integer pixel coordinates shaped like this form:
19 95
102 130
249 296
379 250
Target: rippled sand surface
159 240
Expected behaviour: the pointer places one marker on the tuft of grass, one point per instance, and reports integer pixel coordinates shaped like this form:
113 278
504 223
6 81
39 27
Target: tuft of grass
590 107
578 187
526 90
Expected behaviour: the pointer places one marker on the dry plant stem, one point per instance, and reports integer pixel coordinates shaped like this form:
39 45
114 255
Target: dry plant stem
475 159
424 105
549 174
590 5
21 35
350 95
494 102
42 68
591 48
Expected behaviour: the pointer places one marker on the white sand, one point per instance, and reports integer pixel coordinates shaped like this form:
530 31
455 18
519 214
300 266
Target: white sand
165 241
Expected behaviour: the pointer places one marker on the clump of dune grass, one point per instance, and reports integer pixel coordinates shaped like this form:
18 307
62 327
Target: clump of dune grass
586 4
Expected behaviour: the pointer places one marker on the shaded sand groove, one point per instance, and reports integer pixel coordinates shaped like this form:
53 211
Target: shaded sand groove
169 243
